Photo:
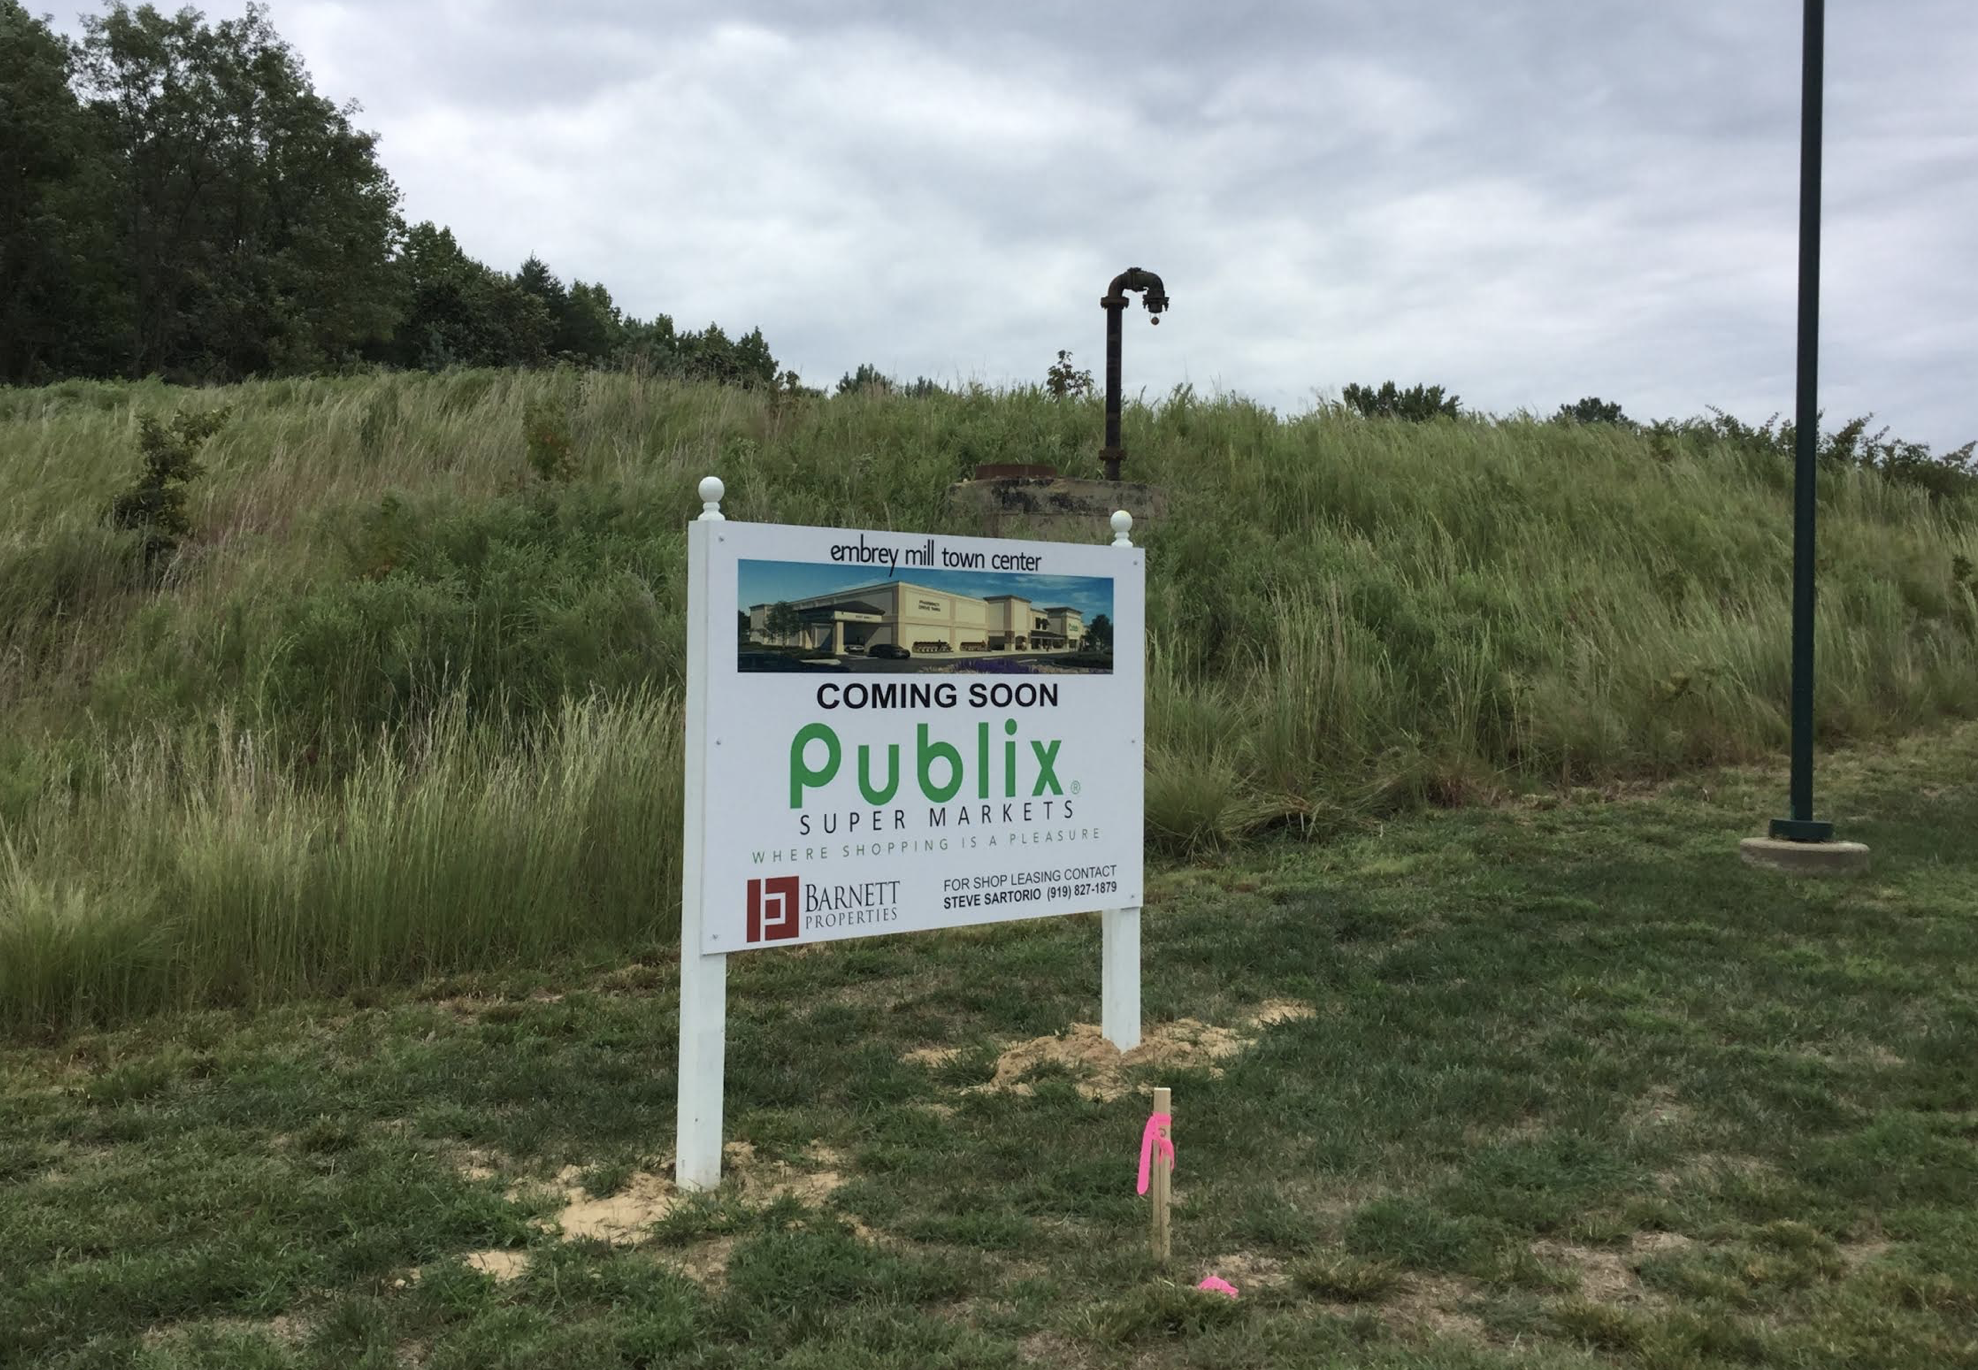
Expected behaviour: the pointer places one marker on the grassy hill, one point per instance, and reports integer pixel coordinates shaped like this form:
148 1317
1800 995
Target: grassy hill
406 698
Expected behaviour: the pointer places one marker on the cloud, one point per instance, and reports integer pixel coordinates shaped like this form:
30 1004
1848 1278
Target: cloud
1525 202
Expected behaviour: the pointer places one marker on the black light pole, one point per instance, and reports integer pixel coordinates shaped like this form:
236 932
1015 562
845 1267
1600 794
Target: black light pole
1799 843
1801 827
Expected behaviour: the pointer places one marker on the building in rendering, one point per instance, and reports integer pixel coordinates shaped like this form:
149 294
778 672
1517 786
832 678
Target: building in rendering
921 620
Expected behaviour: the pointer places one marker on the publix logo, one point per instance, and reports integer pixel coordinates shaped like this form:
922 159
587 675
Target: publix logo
817 756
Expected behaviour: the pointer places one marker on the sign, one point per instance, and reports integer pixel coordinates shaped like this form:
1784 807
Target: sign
892 732
893 743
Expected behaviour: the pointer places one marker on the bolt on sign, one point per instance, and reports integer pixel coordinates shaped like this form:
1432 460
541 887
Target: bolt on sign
892 732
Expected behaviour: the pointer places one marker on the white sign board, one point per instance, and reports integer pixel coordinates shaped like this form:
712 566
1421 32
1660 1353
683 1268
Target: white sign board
905 732
890 732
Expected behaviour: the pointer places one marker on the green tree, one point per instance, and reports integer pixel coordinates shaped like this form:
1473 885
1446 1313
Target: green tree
1417 404
584 325
253 224
783 622
1099 632
61 304
648 347
867 380
754 366
458 312
591 327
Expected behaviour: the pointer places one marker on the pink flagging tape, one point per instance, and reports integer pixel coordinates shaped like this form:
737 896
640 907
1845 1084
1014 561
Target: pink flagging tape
1150 1138
1216 1284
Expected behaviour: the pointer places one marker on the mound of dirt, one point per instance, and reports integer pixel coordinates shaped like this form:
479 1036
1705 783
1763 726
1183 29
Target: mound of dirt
1096 1067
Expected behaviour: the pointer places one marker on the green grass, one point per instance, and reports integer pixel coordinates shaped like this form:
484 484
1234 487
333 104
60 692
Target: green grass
389 645
1580 1090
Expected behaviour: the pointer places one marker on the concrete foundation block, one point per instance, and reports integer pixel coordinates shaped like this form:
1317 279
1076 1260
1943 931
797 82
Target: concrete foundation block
1057 508
1805 858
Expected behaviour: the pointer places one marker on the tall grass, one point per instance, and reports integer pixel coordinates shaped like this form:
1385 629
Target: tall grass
402 704
193 867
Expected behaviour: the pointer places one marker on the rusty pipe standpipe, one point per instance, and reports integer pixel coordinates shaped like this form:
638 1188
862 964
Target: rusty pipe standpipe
1114 303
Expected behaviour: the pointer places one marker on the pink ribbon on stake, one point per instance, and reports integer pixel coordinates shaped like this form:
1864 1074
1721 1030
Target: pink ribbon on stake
1150 1138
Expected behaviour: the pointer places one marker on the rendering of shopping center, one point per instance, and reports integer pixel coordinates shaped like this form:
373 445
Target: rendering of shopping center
923 621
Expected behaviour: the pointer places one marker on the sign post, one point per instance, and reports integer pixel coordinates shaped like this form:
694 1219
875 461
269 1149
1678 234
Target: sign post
895 732
703 978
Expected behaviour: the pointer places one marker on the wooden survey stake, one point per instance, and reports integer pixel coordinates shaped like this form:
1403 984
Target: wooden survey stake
1158 1187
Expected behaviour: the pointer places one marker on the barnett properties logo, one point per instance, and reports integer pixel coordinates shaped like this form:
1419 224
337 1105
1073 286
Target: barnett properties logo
774 908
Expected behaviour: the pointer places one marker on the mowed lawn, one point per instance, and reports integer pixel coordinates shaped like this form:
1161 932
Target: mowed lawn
1558 1084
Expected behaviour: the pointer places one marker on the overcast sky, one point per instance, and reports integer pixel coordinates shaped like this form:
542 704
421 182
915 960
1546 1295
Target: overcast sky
1525 201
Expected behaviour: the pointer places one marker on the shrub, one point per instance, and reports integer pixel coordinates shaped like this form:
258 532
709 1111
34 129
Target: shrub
154 506
546 430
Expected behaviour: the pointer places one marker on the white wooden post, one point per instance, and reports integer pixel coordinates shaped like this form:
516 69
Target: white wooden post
1119 929
703 979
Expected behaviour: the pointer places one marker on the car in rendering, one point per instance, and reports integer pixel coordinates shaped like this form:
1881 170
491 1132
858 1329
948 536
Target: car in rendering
784 661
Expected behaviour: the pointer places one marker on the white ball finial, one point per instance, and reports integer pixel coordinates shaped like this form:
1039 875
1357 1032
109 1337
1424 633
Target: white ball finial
711 492
1122 523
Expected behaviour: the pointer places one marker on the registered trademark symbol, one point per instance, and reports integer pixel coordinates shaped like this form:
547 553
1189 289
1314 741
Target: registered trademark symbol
1075 787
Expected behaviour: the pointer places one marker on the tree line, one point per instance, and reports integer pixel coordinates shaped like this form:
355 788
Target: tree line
177 200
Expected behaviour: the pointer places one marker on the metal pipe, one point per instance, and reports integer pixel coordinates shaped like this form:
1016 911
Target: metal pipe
1114 303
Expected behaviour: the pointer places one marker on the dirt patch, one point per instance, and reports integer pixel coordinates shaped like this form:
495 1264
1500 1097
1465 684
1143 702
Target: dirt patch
620 1218
1523 1130
1852 1054
285 1329
1706 1166
1858 1254
503 1266
1048 1348
1427 1303
477 1163
624 1217
1610 1277
637 978
473 1007
1656 1243
931 1057
706 1263
1096 1067
1661 1107
1247 1270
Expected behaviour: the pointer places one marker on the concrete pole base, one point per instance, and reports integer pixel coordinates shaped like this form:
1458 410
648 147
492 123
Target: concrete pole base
1805 858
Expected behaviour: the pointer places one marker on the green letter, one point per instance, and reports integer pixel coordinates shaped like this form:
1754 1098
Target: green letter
1047 766
926 755
873 796
802 777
